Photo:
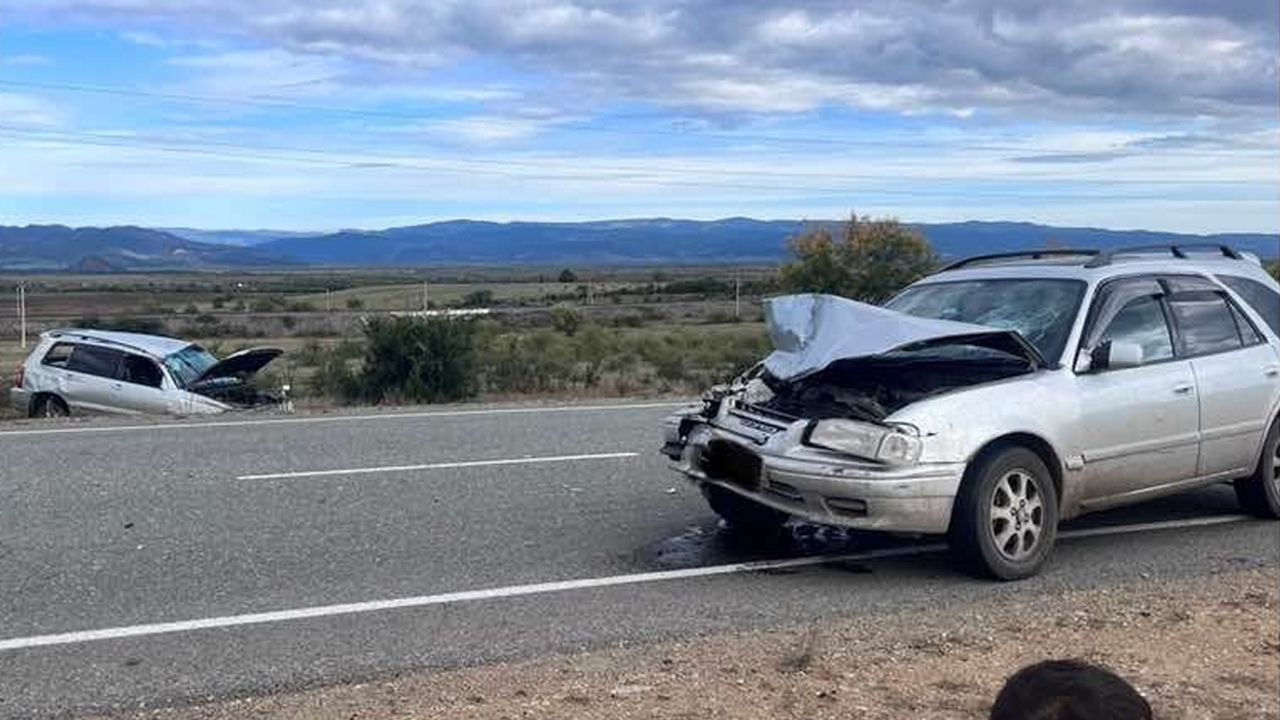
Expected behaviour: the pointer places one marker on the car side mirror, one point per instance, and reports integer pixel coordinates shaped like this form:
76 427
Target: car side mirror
1112 356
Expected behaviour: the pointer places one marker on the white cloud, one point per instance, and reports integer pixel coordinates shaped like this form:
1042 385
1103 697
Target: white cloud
1180 58
26 60
26 111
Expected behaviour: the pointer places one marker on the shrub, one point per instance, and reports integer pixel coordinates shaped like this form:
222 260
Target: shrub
418 360
146 326
566 320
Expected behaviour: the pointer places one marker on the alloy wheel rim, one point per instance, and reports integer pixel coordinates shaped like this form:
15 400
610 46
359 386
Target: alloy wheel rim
1275 465
1017 515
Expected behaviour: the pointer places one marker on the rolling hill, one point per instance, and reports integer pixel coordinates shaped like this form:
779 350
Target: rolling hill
466 242
113 249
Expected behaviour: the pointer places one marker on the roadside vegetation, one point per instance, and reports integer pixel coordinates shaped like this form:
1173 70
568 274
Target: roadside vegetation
358 337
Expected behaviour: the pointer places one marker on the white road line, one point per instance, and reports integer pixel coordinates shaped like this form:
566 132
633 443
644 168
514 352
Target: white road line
199 425
438 466
228 621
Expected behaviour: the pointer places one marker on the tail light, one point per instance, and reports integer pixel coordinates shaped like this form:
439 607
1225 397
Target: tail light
19 376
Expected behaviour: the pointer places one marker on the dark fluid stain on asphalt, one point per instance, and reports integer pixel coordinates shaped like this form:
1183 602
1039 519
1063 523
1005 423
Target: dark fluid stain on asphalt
714 543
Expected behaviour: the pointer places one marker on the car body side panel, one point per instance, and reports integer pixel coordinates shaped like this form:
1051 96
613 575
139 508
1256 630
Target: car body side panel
1236 397
1138 427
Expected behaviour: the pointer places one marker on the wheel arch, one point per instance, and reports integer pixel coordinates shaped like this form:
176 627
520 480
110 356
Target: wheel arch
1036 444
43 396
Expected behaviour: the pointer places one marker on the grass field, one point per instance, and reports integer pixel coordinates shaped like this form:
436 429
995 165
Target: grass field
647 331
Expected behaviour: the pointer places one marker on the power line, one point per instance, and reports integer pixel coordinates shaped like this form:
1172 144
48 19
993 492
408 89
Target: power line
280 102
521 169
322 158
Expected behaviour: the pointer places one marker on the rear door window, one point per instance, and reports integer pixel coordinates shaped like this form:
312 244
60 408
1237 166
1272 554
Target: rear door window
1205 322
92 360
1263 300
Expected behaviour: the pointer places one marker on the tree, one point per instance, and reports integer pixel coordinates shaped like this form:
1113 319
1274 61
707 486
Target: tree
870 259
568 276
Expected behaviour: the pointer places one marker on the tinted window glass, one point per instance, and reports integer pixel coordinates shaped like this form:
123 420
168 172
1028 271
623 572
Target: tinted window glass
1205 323
1141 322
1248 333
94 361
1263 300
58 355
1040 310
141 371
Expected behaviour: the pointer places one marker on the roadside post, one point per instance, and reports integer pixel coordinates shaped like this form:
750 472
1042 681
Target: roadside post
22 314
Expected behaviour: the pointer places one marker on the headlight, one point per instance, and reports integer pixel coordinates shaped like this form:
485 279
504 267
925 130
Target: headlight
874 442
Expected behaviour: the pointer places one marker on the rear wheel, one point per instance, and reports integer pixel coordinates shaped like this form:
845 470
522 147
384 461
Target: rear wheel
50 406
742 514
1005 519
1259 494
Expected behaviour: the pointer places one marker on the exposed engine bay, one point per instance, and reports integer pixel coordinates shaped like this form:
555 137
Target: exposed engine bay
875 387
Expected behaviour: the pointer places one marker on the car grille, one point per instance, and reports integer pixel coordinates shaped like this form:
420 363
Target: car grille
732 463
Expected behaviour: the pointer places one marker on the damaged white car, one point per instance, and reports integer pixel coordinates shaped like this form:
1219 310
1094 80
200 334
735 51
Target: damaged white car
77 371
1000 396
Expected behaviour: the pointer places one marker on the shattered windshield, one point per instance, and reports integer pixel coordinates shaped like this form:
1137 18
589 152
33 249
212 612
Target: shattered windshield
189 363
1040 310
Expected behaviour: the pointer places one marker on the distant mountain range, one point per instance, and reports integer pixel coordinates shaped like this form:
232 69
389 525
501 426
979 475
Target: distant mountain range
468 242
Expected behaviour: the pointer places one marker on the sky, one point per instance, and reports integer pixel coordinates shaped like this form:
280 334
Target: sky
324 114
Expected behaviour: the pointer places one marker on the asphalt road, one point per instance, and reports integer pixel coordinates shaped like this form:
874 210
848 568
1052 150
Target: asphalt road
150 565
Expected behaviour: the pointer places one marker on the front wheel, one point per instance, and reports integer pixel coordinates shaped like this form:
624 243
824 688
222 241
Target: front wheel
1259 494
1005 519
742 514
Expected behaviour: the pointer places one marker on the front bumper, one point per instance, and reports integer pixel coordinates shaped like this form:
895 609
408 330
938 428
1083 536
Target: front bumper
20 400
823 487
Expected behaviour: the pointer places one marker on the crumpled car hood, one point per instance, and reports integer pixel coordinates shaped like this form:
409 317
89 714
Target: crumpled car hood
241 364
810 332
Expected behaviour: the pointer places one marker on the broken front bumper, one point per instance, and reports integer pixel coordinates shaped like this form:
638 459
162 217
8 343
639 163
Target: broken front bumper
822 487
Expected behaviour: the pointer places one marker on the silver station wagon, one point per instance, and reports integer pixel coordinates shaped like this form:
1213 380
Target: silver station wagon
1000 396
77 371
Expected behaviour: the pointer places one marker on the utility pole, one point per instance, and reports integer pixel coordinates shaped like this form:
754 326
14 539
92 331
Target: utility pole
22 313
737 295
425 303
328 301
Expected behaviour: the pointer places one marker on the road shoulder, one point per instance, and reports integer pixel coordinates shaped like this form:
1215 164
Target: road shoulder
1205 646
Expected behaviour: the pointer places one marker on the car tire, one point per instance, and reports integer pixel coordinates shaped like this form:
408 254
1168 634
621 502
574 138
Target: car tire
741 514
1005 518
50 406
1259 494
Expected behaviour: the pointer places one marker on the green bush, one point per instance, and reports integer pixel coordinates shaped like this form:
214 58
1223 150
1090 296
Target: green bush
566 320
146 326
418 360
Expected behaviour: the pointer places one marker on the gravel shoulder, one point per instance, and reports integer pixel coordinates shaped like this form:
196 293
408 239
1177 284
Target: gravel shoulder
1201 647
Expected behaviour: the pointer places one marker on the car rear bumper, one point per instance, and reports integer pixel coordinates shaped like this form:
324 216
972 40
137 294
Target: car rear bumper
915 499
20 400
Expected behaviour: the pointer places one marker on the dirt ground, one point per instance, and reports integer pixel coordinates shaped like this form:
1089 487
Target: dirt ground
1207 647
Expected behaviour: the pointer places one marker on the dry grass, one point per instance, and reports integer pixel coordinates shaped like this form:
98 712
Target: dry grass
1197 648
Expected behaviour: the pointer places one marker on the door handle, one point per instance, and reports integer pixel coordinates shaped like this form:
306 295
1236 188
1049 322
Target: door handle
1271 370
1183 389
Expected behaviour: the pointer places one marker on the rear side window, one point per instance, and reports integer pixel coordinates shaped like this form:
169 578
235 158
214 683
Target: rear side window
1263 300
1206 323
92 360
58 355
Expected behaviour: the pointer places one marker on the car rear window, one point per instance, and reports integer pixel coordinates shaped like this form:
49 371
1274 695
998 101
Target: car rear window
92 360
1263 300
58 355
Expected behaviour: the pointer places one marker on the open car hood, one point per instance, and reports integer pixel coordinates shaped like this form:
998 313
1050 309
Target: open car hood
810 332
240 364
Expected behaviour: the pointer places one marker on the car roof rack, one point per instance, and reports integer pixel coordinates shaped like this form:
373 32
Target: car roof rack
1019 255
1107 257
